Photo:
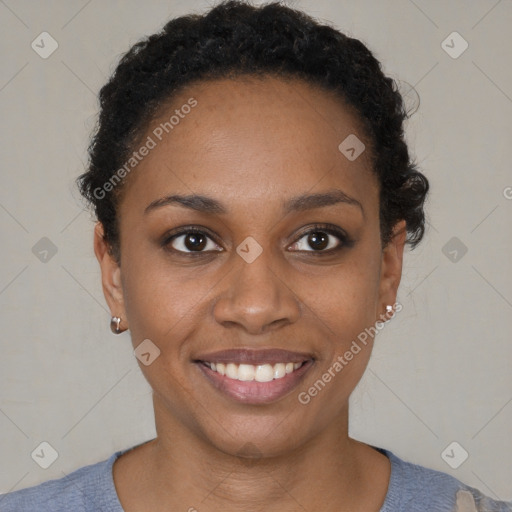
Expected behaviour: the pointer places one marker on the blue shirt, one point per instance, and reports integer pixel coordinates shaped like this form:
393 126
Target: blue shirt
412 488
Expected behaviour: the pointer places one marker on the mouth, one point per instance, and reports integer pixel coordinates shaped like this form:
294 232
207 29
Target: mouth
255 376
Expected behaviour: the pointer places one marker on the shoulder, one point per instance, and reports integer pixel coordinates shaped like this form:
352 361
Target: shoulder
89 488
415 488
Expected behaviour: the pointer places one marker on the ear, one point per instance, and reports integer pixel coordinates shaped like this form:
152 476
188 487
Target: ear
391 268
110 275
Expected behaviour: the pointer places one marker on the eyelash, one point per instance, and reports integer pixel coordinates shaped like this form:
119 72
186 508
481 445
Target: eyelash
329 229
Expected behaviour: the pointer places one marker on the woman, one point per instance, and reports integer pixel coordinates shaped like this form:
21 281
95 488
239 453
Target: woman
254 195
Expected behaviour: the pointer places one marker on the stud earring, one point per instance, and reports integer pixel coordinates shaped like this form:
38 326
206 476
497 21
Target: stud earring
389 313
114 325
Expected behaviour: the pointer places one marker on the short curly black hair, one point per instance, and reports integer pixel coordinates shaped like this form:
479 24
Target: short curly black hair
236 38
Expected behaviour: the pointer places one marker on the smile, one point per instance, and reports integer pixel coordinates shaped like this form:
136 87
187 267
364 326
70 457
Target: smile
249 372
254 376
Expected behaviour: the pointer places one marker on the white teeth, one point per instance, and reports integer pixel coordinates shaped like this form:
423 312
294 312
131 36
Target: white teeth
249 372
246 372
264 373
231 371
279 370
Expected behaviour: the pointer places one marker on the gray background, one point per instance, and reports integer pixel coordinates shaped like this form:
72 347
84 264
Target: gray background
440 371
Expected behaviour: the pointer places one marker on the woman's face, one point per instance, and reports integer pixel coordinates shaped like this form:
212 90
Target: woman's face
260 165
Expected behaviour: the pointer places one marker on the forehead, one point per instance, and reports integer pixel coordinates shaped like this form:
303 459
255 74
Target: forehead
252 139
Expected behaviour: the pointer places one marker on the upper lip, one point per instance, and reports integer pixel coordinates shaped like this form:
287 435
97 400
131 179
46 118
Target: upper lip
254 357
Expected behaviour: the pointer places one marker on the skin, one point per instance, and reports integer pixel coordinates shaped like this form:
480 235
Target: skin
250 144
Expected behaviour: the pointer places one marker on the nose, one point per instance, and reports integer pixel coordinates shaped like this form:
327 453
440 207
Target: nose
257 297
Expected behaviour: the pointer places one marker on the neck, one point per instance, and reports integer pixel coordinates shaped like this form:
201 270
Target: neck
329 472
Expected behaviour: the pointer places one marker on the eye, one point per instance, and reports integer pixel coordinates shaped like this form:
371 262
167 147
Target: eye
191 240
195 241
321 239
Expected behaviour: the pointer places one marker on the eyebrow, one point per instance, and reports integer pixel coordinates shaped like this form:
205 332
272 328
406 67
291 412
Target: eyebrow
303 202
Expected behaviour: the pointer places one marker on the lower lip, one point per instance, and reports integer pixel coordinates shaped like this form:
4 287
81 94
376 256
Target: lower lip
253 392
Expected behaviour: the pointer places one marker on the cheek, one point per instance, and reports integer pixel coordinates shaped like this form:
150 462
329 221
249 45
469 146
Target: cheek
346 299
344 308
162 302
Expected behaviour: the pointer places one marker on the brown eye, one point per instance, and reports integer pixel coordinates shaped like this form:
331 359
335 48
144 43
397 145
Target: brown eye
318 240
191 241
195 241
322 239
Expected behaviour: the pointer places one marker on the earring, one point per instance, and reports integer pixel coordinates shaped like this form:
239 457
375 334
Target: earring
389 308
114 325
